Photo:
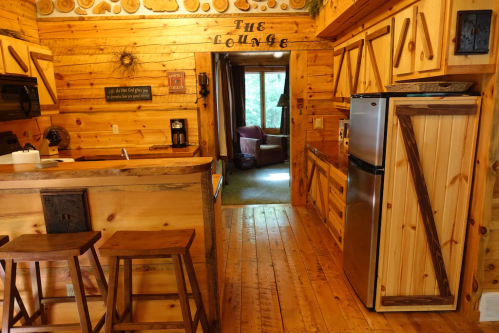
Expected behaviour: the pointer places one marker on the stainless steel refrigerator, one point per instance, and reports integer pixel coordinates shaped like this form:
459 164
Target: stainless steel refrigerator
368 116
366 168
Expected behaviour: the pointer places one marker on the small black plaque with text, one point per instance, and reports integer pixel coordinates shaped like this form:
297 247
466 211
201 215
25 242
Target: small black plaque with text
120 94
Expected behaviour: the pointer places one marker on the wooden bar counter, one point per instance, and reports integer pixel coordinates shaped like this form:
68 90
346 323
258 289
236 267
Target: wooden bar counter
150 194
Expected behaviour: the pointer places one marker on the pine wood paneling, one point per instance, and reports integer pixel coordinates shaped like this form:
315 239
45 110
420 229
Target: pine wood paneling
20 15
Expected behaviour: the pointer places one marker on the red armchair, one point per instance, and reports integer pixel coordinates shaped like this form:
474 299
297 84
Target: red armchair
267 149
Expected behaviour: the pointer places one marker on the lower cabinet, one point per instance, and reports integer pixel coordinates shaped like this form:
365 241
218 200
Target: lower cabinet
327 193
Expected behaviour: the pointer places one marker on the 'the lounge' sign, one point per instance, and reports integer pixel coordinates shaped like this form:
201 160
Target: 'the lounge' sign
254 42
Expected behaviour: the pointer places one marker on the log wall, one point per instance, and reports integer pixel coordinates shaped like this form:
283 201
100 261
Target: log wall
20 15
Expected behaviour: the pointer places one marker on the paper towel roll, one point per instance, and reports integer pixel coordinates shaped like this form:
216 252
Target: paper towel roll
27 156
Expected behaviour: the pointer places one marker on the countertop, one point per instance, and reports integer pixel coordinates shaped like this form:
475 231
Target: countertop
333 152
133 153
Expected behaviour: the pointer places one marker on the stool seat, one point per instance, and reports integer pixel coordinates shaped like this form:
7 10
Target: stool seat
49 246
147 243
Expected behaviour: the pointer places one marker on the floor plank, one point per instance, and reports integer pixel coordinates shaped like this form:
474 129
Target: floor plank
284 274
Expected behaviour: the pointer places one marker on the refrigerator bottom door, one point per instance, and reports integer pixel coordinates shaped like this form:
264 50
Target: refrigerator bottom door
362 231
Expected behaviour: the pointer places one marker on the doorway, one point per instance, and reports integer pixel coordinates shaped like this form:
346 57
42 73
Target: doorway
252 103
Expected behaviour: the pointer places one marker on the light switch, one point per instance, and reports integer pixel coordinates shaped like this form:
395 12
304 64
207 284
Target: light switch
115 129
318 123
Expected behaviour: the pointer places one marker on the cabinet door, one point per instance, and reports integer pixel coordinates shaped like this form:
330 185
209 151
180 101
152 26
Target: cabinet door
340 75
2 71
356 65
15 57
321 199
429 34
404 37
311 176
379 44
430 154
42 67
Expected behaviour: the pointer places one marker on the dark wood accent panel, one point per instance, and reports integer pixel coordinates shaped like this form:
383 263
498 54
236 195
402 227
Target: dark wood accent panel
66 211
436 110
424 204
416 300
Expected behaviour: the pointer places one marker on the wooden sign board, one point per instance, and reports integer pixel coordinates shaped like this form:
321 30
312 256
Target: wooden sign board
176 82
120 94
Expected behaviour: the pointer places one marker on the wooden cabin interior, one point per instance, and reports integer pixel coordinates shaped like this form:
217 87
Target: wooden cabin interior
121 123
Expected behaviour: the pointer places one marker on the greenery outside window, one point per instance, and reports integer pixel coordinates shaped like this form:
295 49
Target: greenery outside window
264 86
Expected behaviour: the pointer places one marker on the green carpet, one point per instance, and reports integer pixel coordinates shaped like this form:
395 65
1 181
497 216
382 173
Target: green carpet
266 185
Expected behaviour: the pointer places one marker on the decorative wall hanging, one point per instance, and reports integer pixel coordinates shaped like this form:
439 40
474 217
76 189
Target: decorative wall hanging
126 62
80 11
65 6
220 5
131 6
284 6
161 5
122 94
115 0
263 7
242 5
255 5
191 5
45 7
271 3
176 82
205 7
299 4
102 8
86 3
117 9
473 31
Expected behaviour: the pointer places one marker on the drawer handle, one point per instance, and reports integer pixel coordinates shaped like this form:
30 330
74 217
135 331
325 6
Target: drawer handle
336 210
336 185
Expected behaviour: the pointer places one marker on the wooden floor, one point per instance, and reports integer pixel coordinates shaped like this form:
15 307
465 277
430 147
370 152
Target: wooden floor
283 274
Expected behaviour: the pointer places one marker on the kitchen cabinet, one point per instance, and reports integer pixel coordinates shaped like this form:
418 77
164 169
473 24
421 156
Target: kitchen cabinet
311 177
430 154
337 205
42 67
321 202
379 47
340 91
425 40
15 56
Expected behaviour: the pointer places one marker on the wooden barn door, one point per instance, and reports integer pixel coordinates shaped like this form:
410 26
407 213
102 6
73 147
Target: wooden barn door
429 170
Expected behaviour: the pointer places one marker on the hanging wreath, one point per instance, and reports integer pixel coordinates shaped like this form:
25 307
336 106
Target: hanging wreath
313 7
126 61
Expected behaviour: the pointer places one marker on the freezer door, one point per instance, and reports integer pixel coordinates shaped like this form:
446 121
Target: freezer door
367 129
361 231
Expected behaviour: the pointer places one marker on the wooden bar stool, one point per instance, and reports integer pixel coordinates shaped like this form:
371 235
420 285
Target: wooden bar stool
128 245
35 248
20 309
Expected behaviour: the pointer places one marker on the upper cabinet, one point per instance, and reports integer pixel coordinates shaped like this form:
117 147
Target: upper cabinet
379 47
42 67
18 57
15 57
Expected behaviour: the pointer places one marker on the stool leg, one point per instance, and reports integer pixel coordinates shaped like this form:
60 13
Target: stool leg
189 267
19 304
128 290
182 293
36 286
8 295
81 300
114 268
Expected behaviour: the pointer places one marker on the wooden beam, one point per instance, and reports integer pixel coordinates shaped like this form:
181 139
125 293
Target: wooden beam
298 85
425 205
207 115
18 59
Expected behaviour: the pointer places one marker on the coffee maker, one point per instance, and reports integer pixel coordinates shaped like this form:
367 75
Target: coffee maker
179 133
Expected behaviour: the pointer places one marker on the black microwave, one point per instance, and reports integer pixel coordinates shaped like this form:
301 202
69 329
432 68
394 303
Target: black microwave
18 98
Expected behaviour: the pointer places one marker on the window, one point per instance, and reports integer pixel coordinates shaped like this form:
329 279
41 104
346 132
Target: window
264 86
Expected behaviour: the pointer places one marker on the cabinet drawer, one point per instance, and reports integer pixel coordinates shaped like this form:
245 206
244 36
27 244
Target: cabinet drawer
337 208
338 183
336 230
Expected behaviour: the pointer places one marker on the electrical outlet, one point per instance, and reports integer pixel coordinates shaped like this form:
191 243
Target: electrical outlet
115 129
318 123
70 290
